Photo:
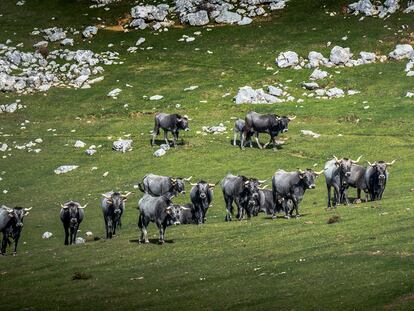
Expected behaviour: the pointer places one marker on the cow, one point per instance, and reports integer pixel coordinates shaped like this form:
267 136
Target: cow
157 185
169 123
159 210
336 171
356 180
113 206
244 192
71 215
265 123
292 186
11 225
239 129
376 177
201 196
267 204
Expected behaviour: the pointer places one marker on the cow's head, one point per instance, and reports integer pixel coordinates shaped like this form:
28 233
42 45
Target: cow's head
73 209
173 212
17 214
380 168
308 177
284 123
178 185
252 186
116 200
202 189
182 122
344 165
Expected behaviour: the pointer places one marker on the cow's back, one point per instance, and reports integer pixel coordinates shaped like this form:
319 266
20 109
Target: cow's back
282 181
151 206
4 218
357 178
156 185
230 184
331 172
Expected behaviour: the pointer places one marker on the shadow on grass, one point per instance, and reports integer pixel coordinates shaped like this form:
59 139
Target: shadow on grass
152 241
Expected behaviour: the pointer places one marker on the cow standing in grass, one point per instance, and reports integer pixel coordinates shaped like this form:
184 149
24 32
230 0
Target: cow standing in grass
336 171
11 225
238 131
169 123
71 215
201 196
292 186
157 185
356 180
376 177
113 206
265 123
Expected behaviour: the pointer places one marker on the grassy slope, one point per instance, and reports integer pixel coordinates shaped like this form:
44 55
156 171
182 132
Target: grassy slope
363 262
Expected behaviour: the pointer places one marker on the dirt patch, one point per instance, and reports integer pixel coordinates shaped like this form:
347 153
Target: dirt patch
399 301
121 23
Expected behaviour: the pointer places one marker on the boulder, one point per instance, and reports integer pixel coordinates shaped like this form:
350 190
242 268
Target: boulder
89 32
316 59
122 145
318 74
227 17
340 55
63 169
287 59
199 18
401 51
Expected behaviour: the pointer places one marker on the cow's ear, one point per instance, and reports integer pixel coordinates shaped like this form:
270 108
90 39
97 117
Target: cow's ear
11 214
301 175
168 210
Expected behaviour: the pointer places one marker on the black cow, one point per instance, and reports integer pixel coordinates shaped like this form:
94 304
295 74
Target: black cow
355 180
244 192
201 196
11 225
335 172
292 186
169 123
265 123
159 210
188 214
71 215
113 206
376 178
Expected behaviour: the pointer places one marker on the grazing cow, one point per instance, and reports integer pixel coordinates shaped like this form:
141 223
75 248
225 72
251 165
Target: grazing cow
113 206
239 129
71 215
156 185
159 210
376 177
201 196
335 172
11 225
292 186
356 180
265 123
188 215
244 192
169 123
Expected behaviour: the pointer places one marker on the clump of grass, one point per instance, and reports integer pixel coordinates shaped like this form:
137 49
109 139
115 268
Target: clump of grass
350 118
333 219
81 276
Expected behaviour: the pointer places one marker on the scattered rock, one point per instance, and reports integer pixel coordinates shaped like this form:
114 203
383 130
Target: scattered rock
79 144
215 129
122 145
89 32
318 74
47 235
340 55
65 169
160 152
402 51
287 59
156 97
114 93
310 133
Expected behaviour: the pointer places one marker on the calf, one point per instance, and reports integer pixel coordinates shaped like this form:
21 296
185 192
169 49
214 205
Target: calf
169 123
113 206
292 186
239 129
201 196
11 225
159 210
71 215
188 215
376 177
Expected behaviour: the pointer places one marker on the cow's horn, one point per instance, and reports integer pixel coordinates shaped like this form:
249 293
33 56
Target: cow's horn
262 181
292 118
106 196
246 182
318 173
357 160
336 159
211 185
64 206
82 207
173 179
184 208
300 171
126 194
188 178
8 209
370 164
264 187
185 117
192 184
391 163
28 209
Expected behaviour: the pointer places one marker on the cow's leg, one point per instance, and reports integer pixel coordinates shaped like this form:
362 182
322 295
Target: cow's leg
242 139
66 235
229 208
161 229
366 196
239 215
286 208
175 138
257 140
336 198
296 207
358 199
166 137
268 143
235 137
329 196
345 195
4 243
16 241
110 228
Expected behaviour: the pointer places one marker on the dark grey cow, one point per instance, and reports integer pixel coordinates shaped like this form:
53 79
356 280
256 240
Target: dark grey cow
265 123
157 185
267 204
159 210
244 192
356 180
71 215
336 171
292 186
113 206
376 177
238 130
11 225
169 123
201 196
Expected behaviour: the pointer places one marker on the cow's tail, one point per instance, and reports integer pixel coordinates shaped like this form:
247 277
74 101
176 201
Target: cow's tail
141 187
156 130
140 221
